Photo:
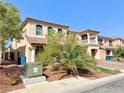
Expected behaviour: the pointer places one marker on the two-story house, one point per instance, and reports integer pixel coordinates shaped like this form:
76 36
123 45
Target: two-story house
34 37
106 47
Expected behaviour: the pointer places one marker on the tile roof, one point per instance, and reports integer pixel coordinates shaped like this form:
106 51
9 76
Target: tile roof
36 40
88 31
102 37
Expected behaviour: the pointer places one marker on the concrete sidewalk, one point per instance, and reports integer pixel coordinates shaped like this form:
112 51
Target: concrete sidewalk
71 85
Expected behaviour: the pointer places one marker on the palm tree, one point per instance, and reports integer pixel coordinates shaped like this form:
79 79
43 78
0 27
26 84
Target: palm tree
73 56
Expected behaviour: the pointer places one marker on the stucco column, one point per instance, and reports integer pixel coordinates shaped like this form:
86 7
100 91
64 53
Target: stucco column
33 54
96 39
88 37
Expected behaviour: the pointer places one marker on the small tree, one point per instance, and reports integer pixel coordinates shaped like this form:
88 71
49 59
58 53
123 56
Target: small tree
50 49
119 53
9 22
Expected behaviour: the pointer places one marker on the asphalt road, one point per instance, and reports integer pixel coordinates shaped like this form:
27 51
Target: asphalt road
115 87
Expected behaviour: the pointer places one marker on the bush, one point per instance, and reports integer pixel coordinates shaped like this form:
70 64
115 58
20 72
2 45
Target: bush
119 53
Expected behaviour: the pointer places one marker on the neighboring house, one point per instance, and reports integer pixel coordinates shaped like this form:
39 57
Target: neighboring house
106 47
98 46
34 37
90 38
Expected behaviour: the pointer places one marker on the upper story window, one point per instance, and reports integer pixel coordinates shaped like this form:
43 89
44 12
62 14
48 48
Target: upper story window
38 30
110 43
49 29
100 41
59 30
84 37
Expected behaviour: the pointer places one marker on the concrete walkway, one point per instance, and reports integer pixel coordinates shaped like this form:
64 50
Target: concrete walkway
71 85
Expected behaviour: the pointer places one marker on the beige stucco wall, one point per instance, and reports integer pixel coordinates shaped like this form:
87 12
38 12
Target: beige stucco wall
23 48
102 54
30 29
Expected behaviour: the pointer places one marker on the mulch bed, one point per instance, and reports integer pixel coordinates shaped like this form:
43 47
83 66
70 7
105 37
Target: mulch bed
56 75
61 74
7 72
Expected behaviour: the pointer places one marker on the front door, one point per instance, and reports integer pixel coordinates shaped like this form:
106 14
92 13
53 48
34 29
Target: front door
93 52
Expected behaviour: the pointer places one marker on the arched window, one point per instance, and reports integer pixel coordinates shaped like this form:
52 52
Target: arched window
49 28
38 30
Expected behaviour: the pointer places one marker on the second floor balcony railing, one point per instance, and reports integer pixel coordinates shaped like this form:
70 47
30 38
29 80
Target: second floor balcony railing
92 41
84 41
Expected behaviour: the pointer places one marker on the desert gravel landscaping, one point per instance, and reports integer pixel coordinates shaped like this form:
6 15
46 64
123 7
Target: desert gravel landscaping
9 78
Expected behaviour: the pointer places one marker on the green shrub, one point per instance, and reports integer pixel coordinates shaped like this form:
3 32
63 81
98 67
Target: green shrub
119 53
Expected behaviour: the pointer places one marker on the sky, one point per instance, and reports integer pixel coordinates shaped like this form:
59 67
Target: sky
106 16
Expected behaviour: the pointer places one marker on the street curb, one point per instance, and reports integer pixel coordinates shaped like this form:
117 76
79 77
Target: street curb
95 84
73 85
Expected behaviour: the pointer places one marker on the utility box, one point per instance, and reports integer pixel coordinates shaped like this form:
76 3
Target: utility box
33 70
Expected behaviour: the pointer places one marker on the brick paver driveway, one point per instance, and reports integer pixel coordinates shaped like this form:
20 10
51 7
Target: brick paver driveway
112 65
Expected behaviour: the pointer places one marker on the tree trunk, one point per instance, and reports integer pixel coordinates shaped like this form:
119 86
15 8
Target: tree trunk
76 71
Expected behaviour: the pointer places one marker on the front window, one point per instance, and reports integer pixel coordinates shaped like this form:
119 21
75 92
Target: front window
38 30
